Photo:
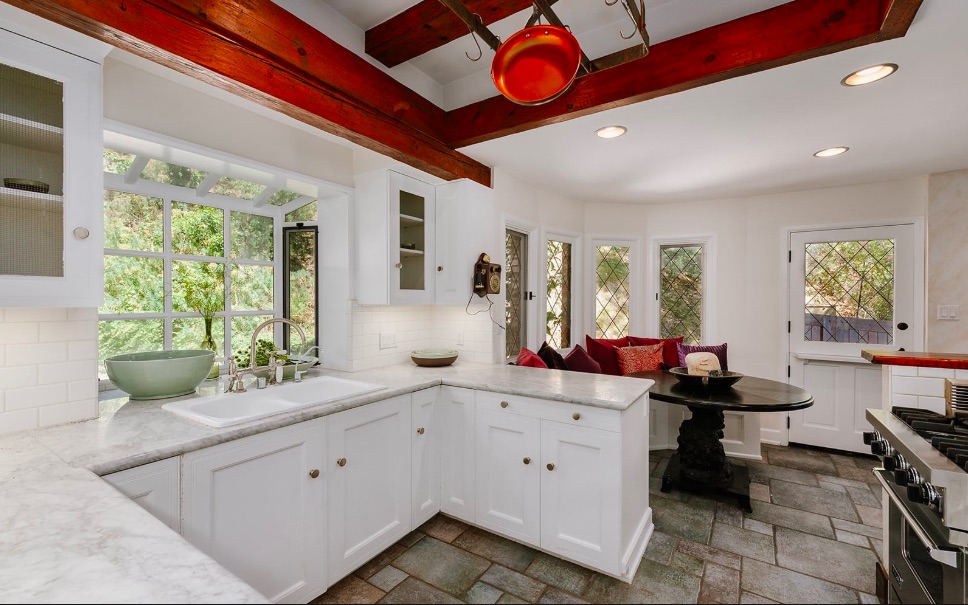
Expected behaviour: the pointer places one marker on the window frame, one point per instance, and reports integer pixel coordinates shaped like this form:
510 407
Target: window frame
709 272
634 245
577 316
531 285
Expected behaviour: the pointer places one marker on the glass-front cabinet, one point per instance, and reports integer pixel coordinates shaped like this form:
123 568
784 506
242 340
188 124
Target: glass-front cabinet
50 202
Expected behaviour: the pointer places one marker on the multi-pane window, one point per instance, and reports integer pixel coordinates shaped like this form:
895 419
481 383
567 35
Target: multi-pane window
612 292
515 283
559 291
681 292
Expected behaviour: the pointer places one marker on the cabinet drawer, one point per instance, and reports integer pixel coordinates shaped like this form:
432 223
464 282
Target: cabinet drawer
558 411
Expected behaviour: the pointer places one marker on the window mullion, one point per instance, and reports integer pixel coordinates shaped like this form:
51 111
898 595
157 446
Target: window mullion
167 274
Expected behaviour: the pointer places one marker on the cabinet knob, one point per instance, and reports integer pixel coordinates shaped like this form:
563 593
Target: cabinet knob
576 416
82 232
341 462
398 265
314 473
551 467
420 431
527 460
439 268
504 404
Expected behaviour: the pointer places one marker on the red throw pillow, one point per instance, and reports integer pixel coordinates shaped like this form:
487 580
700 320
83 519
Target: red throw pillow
578 360
670 354
646 358
602 350
530 359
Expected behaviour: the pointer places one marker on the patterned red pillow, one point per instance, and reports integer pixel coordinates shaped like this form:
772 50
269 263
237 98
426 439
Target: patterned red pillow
670 354
639 359
530 359
578 360
602 350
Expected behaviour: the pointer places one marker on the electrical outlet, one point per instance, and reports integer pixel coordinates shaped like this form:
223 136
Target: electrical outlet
948 312
460 337
388 340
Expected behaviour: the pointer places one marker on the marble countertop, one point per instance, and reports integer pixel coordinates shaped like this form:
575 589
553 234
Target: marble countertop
67 535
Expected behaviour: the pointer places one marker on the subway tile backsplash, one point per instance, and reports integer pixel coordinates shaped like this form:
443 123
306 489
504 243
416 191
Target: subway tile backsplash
48 367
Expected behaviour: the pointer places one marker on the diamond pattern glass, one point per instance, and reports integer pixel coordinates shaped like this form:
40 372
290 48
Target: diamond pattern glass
516 246
680 293
559 295
612 291
849 292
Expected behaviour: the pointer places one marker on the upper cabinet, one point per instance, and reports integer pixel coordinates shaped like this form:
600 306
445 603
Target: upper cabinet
417 243
50 160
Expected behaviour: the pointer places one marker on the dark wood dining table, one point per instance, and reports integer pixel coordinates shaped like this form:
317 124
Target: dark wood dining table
700 462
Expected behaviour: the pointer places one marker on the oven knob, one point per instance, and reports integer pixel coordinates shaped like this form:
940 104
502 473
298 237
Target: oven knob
895 461
925 493
909 476
871 436
880 447
900 473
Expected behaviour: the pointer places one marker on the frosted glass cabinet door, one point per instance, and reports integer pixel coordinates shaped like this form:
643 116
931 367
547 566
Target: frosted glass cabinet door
50 150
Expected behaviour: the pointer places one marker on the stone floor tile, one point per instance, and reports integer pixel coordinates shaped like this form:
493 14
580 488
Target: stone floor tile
749 597
652 465
605 589
813 499
410 539
661 546
512 582
379 562
870 516
834 487
758 526
720 584
877 545
790 517
387 578
866 597
760 491
665 585
442 565
350 590
762 473
841 481
684 519
660 467
837 562
570 577
497 549
856 528
844 459
510 598
849 538
687 563
743 542
863 496
554 595
729 513
413 590
857 474
710 554
788 586
481 593
443 528
803 459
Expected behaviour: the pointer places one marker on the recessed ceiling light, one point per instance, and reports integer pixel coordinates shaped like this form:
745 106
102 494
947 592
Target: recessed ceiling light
611 132
869 74
830 152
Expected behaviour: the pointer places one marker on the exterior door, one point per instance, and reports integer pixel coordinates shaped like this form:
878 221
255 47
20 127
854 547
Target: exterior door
516 292
850 289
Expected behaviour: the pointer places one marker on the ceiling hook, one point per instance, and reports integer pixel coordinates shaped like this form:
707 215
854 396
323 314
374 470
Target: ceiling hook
535 17
480 51
612 3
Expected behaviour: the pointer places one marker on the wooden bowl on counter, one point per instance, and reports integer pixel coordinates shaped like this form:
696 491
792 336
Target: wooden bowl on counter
433 358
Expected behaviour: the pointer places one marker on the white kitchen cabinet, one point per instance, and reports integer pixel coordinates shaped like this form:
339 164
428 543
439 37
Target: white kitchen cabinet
51 242
396 235
508 479
456 442
368 461
257 506
465 229
426 462
155 487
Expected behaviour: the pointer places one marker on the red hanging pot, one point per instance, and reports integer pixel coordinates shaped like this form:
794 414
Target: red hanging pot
536 64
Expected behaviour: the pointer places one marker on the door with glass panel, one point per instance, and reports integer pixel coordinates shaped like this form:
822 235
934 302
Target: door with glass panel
850 289
516 292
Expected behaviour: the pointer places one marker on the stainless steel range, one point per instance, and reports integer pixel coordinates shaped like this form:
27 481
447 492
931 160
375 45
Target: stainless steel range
924 457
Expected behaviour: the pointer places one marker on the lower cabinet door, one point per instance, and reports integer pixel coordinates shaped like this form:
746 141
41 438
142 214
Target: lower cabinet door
508 479
426 463
456 439
369 490
581 495
154 487
256 505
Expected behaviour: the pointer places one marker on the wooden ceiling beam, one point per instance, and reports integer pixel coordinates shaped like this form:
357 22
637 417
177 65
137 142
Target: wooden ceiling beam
428 25
260 52
788 33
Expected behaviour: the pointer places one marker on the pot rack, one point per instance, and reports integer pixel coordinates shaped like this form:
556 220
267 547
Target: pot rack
542 8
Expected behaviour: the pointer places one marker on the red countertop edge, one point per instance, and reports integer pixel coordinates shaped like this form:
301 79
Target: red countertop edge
925 360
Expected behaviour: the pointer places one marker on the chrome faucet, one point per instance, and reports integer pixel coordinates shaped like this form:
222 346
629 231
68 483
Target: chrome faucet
236 374
297 375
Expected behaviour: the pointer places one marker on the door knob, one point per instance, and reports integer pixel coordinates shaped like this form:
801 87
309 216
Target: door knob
439 268
551 467
902 326
420 431
504 404
341 462
82 232
527 460
314 473
398 265
576 416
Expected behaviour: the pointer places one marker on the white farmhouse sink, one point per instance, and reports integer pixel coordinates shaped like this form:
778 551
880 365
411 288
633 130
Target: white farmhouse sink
228 409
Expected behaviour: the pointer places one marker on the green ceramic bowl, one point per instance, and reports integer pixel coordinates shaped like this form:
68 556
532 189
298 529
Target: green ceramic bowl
159 374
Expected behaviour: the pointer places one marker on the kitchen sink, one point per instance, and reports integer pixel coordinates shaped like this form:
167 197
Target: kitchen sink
228 409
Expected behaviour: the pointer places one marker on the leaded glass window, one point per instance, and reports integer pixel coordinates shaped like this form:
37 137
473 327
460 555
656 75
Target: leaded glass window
558 313
681 292
515 281
612 294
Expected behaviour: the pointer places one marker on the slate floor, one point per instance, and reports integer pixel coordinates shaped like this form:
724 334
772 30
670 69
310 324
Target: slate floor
813 537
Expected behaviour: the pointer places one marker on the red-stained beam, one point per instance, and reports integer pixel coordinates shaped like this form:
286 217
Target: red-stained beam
792 32
255 49
428 25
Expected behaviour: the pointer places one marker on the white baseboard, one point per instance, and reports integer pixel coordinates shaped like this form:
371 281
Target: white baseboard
773 437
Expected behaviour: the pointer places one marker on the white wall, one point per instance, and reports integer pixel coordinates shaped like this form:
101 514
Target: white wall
947 260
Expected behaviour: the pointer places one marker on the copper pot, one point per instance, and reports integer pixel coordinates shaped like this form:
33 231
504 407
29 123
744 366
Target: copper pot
536 64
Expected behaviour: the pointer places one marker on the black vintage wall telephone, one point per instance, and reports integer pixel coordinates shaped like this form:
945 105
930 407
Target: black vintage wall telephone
487 276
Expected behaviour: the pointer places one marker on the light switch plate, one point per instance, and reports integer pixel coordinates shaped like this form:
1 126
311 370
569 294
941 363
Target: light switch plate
948 312
388 340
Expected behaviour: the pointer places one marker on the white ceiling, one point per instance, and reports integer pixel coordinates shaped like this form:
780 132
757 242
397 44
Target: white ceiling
750 135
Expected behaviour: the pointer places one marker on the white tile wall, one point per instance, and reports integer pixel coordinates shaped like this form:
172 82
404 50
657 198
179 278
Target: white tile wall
48 367
921 387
